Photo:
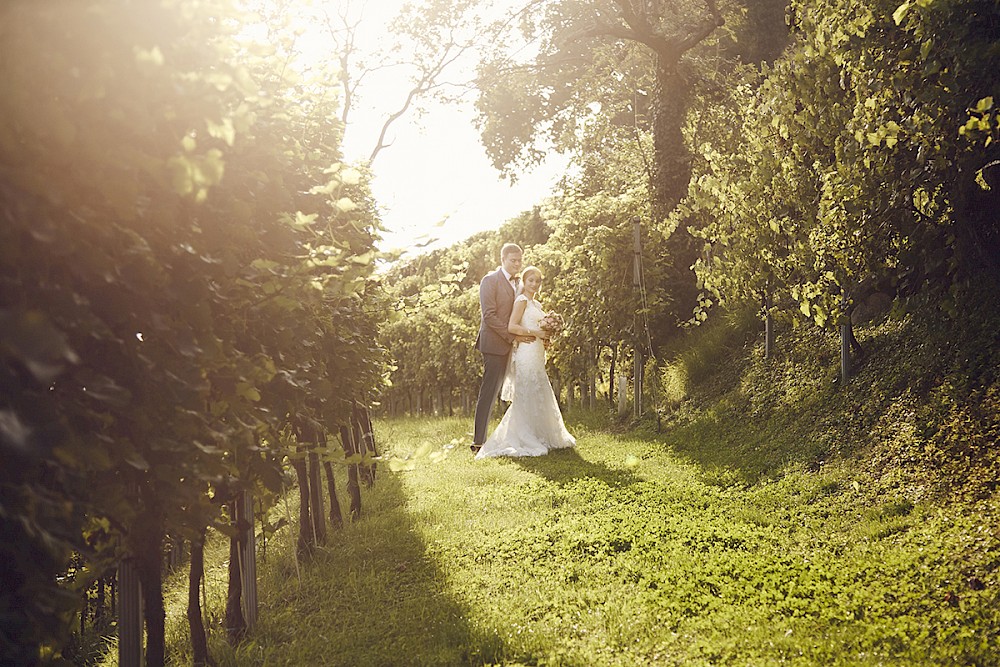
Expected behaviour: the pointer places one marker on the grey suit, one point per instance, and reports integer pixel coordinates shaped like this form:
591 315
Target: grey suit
496 301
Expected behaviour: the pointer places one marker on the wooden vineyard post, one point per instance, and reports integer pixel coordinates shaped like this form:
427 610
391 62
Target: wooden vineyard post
353 488
845 345
130 611
336 517
316 492
130 652
768 328
196 621
364 440
636 284
235 623
241 593
248 559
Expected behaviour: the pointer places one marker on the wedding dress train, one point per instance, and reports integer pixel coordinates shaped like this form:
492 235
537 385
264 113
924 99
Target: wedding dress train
533 424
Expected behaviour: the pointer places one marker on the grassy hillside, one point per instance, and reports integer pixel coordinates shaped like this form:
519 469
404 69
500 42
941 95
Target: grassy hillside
775 518
921 415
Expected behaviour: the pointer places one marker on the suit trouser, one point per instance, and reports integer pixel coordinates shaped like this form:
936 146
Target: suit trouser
494 368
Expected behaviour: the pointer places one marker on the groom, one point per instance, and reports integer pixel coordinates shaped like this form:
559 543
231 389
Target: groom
496 301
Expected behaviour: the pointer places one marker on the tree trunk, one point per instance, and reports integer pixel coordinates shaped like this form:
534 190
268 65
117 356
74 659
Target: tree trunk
306 542
316 497
364 440
353 488
336 517
148 534
671 176
199 642
236 624
101 601
671 161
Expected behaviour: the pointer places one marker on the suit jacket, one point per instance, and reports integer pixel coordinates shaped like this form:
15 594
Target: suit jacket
496 301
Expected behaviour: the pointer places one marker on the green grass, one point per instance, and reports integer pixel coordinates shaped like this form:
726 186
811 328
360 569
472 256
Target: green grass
768 516
627 552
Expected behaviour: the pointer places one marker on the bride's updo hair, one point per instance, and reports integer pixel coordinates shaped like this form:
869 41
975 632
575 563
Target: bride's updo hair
530 269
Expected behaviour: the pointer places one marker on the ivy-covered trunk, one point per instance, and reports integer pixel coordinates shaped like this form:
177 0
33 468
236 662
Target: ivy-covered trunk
671 176
671 161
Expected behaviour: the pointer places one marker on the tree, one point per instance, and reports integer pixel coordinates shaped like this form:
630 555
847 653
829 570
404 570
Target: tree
848 174
594 58
192 269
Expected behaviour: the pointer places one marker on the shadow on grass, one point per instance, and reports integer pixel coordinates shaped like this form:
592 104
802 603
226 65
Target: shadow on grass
372 596
566 465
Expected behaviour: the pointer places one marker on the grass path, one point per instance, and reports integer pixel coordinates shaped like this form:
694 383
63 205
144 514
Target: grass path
622 553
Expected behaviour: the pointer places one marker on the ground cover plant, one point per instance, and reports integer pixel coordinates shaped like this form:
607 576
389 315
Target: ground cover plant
625 552
772 516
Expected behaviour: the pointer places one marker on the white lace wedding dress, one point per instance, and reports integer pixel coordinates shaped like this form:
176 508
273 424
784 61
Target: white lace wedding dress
533 424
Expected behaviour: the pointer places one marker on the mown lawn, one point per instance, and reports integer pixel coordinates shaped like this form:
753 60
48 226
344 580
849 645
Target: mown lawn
621 553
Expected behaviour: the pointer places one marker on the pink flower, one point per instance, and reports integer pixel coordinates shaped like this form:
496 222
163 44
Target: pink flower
552 324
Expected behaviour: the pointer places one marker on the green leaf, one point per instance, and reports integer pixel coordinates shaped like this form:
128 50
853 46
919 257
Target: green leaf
247 391
900 13
345 205
402 465
137 461
984 105
301 220
264 264
223 130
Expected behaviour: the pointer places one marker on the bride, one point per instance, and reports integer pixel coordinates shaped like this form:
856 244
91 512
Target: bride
532 424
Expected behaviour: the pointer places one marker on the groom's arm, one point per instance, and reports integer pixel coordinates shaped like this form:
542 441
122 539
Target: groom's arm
488 303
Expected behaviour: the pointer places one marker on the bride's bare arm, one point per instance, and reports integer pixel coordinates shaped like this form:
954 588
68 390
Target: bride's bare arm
515 327
514 323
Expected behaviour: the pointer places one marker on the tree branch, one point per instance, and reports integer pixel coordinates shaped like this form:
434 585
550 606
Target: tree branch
703 30
640 29
600 29
424 84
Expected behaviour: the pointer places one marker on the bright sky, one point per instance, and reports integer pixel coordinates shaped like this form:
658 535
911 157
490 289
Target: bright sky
434 181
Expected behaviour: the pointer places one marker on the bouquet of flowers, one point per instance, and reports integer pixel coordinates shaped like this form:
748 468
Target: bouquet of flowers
552 324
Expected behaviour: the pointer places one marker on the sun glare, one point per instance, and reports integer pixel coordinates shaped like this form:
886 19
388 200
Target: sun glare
433 181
